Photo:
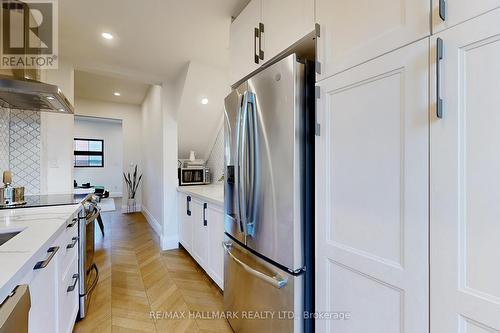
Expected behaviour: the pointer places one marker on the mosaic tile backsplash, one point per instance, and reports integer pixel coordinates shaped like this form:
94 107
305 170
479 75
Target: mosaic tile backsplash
20 147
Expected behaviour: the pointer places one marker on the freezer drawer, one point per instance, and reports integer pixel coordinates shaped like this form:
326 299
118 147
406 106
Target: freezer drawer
261 297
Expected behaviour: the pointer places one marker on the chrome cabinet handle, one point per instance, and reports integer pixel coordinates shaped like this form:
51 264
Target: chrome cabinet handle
439 57
188 209
71 225
72 245
205 222
255 37
42 264
72 287
442 9
276 281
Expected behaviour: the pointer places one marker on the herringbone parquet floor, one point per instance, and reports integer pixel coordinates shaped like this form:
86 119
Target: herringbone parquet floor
136 279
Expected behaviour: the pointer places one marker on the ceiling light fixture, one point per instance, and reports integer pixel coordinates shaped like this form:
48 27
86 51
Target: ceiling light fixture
107 35
116 93
50 98
204 101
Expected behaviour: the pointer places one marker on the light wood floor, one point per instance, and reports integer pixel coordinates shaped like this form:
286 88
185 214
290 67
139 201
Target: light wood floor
136 278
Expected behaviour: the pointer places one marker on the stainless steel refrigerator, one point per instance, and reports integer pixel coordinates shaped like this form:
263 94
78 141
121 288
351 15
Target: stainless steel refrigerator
269 154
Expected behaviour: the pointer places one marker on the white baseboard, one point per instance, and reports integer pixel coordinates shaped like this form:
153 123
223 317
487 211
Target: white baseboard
170 243
152 221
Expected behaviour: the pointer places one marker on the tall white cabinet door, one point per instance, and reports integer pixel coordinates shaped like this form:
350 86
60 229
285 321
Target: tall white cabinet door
457 11
285 23
372 195
215 251
242 43
465 180
185 221
200 234
353 32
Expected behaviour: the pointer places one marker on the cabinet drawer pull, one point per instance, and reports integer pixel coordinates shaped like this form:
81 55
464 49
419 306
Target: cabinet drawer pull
439 58
42 264
72 224
255 38
72 245
72 287
205 222
188 209
442 9
261 32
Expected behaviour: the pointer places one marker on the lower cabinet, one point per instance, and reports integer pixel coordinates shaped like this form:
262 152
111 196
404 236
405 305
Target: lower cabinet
201 231
53 284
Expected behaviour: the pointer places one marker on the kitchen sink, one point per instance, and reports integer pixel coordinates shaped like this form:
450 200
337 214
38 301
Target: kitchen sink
5 237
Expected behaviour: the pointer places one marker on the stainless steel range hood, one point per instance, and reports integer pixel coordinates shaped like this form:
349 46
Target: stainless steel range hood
26 94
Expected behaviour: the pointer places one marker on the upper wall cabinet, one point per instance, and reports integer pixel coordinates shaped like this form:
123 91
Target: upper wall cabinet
285 22
447 13
264 29
352 32
243 42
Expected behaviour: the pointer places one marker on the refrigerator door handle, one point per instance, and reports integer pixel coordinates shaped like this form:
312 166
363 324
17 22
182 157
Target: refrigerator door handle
276 281
241 187
253 147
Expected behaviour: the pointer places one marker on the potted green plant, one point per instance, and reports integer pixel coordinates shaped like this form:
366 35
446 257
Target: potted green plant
132 186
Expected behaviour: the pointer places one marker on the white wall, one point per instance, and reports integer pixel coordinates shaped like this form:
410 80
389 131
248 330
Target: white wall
152 156
198 124
131 118
57 136
109 176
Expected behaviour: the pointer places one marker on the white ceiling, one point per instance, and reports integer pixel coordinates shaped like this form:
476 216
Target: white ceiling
101 87
154 39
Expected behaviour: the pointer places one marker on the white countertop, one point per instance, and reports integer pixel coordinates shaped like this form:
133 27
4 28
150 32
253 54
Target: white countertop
40 227
213 193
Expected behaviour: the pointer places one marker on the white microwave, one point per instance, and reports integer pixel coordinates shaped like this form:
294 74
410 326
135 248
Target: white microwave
194 176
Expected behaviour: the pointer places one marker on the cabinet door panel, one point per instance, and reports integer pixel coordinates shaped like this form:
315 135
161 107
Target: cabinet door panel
353 32
216 236
458 11
285 22
242 42
200 234
465 251
185 222
372 195
43 315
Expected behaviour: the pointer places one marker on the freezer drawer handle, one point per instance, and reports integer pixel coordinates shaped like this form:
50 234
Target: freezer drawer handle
43 264
276 281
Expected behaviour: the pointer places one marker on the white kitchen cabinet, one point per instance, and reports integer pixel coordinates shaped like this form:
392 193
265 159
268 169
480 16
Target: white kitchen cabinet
285 23
372 195
54 307
200 233
215 251
457 11
353 32
243 44
185 220
43 286
465 178
206 232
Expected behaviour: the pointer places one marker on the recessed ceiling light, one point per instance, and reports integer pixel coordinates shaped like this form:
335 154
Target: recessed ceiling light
62 110
50 98
116 93
204 101
107 35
